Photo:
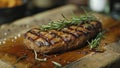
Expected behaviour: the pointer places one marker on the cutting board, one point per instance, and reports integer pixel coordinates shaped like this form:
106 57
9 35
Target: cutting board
13 53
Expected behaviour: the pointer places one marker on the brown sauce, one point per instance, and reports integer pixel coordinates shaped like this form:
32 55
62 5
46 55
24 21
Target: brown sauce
16 49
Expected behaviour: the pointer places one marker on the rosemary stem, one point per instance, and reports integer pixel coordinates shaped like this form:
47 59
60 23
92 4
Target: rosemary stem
44 59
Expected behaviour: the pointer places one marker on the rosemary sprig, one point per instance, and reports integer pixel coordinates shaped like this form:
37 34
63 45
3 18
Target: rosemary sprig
95 42
67 22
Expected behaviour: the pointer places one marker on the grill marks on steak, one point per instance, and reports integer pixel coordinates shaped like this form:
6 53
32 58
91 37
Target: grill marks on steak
37 37
67 38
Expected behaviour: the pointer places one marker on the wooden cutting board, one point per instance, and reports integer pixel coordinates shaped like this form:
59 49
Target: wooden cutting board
13 53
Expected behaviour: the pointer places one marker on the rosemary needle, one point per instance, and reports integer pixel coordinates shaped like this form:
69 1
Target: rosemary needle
56 63
21 58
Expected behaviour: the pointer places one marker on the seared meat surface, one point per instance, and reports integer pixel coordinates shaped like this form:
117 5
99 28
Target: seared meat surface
52 41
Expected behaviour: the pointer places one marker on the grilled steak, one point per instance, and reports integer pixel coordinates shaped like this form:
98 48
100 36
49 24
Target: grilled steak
52 41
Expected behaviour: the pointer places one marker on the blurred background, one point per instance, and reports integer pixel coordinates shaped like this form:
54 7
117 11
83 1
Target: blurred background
11 10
